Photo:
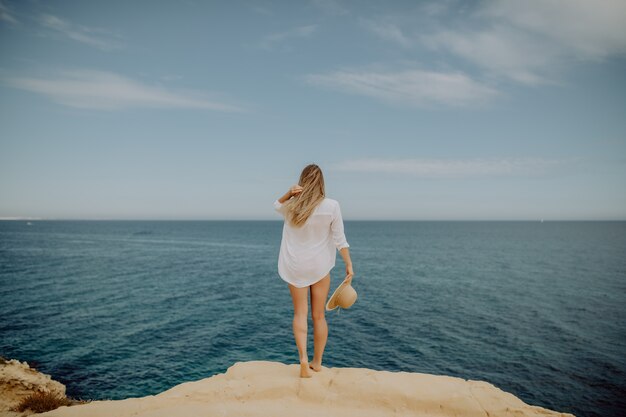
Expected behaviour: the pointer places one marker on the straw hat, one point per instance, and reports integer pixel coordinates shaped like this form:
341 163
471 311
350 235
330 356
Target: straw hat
344 296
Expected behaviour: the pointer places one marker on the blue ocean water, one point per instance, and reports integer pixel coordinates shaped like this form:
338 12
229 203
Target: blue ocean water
116 309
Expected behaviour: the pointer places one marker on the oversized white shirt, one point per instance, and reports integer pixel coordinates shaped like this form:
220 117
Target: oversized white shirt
309 252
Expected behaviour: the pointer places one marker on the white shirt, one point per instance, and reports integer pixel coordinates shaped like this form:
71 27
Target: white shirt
308 253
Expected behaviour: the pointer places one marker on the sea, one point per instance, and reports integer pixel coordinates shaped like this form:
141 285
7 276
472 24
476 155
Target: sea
118 309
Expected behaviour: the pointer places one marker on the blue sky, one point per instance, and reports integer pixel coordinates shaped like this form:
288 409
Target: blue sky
440 110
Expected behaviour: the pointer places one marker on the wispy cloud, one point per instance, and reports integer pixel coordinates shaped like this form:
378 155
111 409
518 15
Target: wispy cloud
409 87
455 168
6 15
586 29
262 10
274 39
531 41
502 51
331 7
91 89
387 31
98 38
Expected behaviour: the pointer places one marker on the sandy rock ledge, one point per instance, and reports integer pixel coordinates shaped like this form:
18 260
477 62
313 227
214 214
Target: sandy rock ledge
262 388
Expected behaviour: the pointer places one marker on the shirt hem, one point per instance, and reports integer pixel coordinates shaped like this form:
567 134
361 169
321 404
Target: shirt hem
307 285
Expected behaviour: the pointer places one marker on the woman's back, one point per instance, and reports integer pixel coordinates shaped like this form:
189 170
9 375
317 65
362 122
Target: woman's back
309 252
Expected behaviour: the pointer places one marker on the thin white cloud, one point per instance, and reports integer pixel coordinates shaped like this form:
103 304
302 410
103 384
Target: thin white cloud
6 14
587 29
409 87
273 39
531 41
439 7
387 31
331 7
454 168
262 10
91 89
501 50
171 77
90 36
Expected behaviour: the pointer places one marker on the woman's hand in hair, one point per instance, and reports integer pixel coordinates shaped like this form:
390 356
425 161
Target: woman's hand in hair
295 189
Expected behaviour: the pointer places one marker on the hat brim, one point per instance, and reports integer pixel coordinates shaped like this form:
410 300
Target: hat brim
332 301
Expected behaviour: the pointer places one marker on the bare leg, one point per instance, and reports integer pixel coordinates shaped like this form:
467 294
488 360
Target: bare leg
300 307
319 294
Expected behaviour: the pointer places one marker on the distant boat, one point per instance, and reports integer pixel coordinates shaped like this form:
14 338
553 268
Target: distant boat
29 224
541 220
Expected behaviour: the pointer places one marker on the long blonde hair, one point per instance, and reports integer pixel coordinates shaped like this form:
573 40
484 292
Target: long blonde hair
301 206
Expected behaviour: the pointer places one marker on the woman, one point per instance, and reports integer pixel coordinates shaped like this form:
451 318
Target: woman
312 234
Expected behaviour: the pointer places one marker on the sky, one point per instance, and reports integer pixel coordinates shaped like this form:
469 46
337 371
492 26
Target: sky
414 110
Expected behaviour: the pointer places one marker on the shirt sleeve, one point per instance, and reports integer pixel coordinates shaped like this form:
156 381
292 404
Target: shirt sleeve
336 227
279 207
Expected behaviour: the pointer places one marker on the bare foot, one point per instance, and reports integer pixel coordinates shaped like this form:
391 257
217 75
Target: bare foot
315 367
304 370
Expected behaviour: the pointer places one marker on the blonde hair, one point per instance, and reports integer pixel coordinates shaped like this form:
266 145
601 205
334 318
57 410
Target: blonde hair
301 206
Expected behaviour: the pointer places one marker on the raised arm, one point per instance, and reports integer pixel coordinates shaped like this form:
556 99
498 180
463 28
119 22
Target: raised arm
295 189
278 203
